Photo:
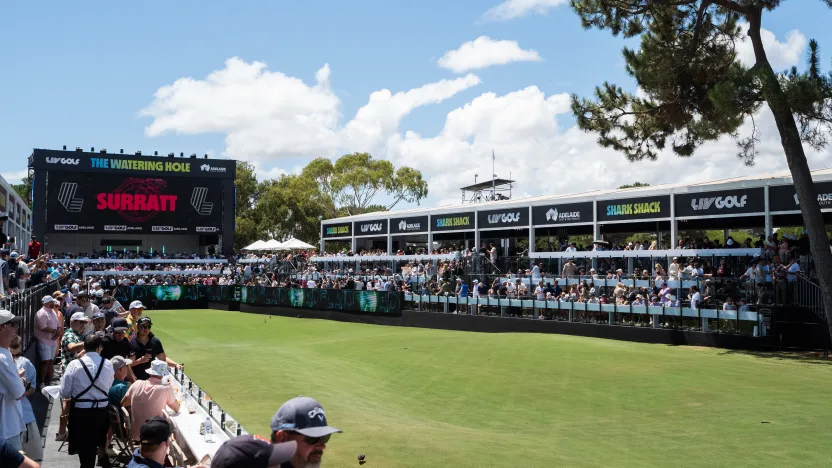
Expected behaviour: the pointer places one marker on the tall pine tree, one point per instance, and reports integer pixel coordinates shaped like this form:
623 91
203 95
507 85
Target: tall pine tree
697 91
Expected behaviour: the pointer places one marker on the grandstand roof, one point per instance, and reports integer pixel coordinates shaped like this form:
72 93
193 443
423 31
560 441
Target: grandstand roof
778 178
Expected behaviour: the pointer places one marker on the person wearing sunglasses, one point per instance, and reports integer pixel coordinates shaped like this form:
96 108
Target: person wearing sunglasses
146 347
303 421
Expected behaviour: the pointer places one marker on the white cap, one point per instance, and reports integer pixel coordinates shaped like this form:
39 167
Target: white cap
48 300
79 317
137 305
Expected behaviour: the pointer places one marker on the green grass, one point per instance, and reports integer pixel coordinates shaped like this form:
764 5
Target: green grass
410 397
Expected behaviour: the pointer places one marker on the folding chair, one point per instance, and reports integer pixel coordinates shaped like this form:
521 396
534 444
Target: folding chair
177 454
121 433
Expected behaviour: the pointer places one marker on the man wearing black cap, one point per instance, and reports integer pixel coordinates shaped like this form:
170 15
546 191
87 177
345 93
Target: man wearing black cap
252 452
302 420
155 439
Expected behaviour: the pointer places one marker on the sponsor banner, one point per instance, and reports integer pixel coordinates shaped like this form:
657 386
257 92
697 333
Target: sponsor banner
412 224
784 197
513 217
634 208
751 200
337 230
370 228
342 300
452 222
139 205
132 165
562 213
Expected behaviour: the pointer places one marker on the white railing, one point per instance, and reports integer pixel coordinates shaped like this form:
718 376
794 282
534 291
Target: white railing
375 258
151 272
141 260
649 253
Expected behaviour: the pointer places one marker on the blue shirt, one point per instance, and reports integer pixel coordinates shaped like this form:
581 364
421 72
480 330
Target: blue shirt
463 290
9 456
117 392
139 461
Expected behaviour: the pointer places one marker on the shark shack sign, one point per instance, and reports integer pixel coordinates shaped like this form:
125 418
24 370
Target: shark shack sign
634 208
452 222
724 202
337 230
408 225
784 197
370 228
513 217
562 214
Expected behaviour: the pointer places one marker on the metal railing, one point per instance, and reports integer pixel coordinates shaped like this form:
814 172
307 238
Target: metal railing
26 304
229 425
806 293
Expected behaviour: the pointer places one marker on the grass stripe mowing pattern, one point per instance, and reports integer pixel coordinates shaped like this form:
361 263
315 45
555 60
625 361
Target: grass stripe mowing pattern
410 397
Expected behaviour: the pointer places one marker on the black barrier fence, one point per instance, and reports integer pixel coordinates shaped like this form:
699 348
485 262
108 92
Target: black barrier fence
26 304
183 296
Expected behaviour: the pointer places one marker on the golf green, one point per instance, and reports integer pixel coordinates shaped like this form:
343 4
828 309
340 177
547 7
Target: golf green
409 397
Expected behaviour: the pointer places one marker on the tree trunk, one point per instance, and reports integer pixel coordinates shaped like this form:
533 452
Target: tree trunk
799 167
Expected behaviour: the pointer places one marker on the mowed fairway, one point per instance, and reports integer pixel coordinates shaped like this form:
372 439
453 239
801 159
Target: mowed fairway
410 397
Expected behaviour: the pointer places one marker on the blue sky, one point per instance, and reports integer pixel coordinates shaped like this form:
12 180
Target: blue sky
80 74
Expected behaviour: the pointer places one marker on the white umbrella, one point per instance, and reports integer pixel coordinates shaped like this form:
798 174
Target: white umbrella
272 245
296 244
255 246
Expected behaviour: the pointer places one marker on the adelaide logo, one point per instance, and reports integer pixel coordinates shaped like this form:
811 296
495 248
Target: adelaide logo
137 200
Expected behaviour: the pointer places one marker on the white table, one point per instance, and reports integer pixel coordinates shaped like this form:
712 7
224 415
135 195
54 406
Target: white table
186 428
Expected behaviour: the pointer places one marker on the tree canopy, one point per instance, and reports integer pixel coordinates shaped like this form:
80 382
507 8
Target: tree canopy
694 90
293 204
634 185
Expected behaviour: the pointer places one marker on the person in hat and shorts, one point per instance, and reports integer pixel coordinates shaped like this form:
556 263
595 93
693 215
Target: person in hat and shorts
47 330
303 421
252 452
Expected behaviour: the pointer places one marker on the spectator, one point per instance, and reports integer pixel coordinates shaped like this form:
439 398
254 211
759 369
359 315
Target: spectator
10 456
32 445
4 272
252 452
154 436
86 382
34 248
136 310
146 347
47 329
148 398
98 323
115 340
89 309
302 420
71 343
121 368
13 385
109 309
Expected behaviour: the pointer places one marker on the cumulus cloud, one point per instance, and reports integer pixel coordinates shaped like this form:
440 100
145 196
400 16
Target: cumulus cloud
781 55
15 177
510 9
534 148
484 52
267 115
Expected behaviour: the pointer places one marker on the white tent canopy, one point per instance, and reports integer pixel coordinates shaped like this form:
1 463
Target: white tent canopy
259 245
272 244
295 244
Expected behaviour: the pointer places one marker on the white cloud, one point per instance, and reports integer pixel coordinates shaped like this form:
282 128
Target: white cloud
510 9
15 177
545 158
484 52
267 115
526 128
781 55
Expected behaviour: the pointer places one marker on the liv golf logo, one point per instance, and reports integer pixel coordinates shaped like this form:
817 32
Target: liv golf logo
719 203
504 218
374 227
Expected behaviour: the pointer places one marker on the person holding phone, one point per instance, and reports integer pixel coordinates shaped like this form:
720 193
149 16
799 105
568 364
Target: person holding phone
145 348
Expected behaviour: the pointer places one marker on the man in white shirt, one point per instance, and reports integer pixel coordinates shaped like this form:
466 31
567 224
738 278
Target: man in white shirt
87 381
12 386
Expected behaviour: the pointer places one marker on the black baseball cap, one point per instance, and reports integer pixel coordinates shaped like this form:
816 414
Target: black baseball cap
303 415
155 431
119 324
252 452
145 321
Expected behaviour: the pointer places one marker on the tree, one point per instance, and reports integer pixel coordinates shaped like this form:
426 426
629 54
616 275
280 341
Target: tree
635 185
24 189
696 91
355 179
